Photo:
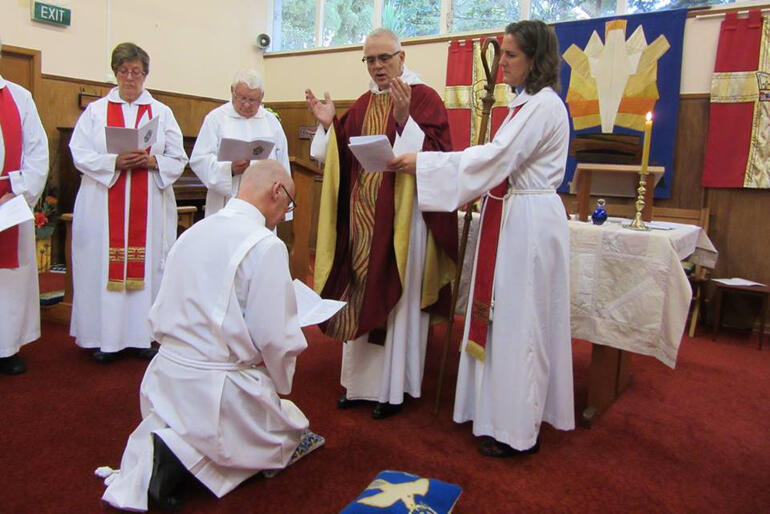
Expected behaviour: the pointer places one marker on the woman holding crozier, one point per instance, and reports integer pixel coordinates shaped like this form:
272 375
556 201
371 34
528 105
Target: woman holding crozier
516 366
125 213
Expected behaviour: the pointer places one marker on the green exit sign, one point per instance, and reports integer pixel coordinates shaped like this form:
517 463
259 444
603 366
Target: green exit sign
48 13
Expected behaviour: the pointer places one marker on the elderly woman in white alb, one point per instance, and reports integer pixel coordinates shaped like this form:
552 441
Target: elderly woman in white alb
125 213
516 367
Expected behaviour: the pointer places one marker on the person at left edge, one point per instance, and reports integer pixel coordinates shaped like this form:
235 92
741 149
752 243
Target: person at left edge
125 213
24 161
244 118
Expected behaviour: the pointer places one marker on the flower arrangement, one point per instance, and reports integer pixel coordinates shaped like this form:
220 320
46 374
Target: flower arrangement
273 111
46 214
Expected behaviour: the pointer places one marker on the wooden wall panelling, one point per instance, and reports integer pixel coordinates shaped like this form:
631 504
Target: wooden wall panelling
692 131
293 116
305 174
740 231
59 109
58 106
737 226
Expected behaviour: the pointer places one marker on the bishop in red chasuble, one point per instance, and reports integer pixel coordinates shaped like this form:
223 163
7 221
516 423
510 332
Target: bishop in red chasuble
392 264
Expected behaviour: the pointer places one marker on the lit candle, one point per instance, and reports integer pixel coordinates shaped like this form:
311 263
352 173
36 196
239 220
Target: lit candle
646 143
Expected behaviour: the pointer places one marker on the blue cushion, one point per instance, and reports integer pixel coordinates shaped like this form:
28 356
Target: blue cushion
399 492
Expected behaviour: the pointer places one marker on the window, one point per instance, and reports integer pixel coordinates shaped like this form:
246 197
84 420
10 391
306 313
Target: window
410 18
292 24
300 24
637 6
346 21
551 11
468 15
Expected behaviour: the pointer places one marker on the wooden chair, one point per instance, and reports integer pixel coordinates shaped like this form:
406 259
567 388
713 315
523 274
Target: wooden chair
700 274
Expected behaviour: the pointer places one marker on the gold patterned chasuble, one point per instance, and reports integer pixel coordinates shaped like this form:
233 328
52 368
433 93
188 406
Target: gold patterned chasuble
363 202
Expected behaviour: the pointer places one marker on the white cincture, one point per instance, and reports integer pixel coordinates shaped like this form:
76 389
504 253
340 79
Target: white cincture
204 365
512 191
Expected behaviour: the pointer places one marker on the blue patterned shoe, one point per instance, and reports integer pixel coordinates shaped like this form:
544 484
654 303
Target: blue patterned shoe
310 441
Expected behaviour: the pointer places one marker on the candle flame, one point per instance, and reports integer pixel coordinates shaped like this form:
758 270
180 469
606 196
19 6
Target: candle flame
649 116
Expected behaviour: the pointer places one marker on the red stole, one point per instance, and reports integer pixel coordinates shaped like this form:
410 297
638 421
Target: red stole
126 262
10 122
489 235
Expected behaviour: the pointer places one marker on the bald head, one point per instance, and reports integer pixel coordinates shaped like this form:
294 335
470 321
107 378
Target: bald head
262 185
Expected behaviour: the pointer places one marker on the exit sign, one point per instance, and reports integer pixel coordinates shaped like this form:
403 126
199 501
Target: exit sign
53 14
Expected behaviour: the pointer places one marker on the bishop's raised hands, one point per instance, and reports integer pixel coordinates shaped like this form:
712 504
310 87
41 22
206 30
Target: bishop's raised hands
401 93
323 110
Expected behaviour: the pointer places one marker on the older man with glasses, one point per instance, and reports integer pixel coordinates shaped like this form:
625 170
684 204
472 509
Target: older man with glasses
375 250
245 118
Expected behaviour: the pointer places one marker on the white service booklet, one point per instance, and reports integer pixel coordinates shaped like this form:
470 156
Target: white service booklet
311 308
737 282
121 139
14 211
237 150
372 152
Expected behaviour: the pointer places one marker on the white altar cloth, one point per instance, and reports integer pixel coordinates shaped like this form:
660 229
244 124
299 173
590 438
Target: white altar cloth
628 289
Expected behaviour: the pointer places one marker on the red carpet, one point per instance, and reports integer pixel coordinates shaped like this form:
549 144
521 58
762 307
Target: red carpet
686 440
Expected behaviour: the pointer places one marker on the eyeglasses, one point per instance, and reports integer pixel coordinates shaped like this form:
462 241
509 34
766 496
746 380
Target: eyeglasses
134 72
383 58
247 100
292 204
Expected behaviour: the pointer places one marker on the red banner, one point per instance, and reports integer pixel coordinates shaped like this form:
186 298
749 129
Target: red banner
734 100
465 80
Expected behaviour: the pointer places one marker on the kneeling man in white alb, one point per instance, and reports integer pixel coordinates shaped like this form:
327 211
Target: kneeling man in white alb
226 319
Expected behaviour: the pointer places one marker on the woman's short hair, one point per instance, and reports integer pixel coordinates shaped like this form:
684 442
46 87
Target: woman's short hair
125 52
538 42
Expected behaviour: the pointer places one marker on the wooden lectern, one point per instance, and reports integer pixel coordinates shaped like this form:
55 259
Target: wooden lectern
306 174
612 180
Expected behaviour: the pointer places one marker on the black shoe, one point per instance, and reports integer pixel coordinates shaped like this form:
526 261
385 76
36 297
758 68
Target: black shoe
384 410
344 403
501 450
168 477
12 365
105 357
145 353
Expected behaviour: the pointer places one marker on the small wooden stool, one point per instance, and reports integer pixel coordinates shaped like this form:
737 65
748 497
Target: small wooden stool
762 291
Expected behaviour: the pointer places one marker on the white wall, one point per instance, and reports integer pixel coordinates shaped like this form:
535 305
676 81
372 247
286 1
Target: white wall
195 47
699 53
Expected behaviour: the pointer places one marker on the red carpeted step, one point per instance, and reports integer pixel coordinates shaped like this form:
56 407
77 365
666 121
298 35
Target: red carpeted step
686 440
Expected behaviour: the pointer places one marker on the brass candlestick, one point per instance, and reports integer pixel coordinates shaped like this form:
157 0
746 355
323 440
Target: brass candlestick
638 223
